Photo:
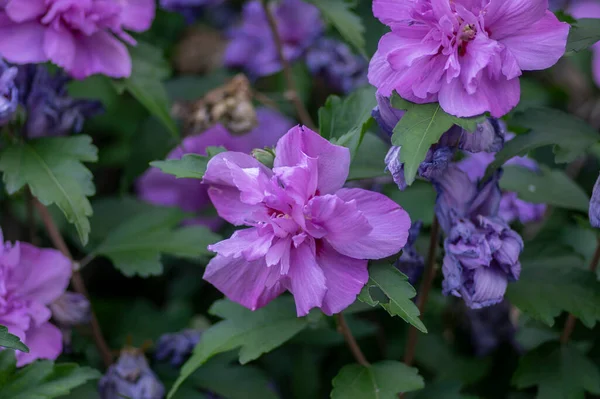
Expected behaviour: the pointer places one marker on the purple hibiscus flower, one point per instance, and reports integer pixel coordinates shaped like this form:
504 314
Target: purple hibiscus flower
307 234
481 250
190 195
252 46
589 9
80 36
466 54
31 279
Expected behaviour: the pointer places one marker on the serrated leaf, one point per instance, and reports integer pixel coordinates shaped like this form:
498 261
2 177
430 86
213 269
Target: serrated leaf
396 287
383 380
136 244
570 135
254 333
422 126
52 168
149 69
339 13
345 121
559 371
548 287
584 34
42 379
548 186
10 341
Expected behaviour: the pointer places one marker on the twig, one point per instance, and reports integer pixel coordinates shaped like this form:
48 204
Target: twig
292 91
351 341
411 343
570 323
76 279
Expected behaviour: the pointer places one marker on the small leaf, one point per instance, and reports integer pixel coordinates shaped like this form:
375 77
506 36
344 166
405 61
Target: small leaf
584 34
549 186
558 372
40 380
7 340
190 166
346 120
383 380
422 126
339 14
136 244
53 170
396 287
254 333
547 287
149 69
570 135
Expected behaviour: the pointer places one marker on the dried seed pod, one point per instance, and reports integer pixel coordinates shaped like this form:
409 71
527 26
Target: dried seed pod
200 51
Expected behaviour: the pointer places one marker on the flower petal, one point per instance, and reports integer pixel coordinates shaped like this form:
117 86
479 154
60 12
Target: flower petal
242 281
137 15
251 244
540 45
100 53
21 11
305 279
44 342
393 12
59 45
333 161
21 42
503 17
390 224
489 286
345 278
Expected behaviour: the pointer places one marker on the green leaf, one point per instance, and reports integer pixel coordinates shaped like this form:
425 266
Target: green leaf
396 287
549 186
53 170
418 200
441 390
7 340
570 135
149 69
550 286
422 126
345 121
136 244
339 13
559 371
190 166
254 333
368 162
40 380
383 380
584 34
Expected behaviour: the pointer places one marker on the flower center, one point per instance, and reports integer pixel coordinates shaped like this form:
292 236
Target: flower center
466 34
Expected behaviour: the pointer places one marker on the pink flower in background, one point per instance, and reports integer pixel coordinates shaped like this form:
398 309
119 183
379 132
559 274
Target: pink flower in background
466 54
589 9
307 234
81 36
190 195
32 278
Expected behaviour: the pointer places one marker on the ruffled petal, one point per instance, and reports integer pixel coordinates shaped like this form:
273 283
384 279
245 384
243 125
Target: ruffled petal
21 11
345 278
100 53
137 15
333 161
42 274
390 224
305 279
503 17
393 12
489 286
540 45
244 282
59 45
44 342
22 43
251 244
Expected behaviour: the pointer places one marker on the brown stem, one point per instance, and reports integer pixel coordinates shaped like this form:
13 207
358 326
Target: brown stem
351 341
292 91
426 284
570 323
76 279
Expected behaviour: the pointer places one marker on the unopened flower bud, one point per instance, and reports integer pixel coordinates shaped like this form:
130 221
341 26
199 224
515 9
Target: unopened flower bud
266 156
71 309
177 347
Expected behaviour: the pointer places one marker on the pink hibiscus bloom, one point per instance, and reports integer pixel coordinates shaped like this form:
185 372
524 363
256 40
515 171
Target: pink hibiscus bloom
466 54
30 279
307 234
589 9
81 36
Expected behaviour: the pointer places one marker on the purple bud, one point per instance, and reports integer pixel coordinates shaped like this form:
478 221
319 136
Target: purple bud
488 137
436 162
9 98
386 116
177 347
130 377
395 167
512 208
71 309
411 262
50 110
595 205
334 62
